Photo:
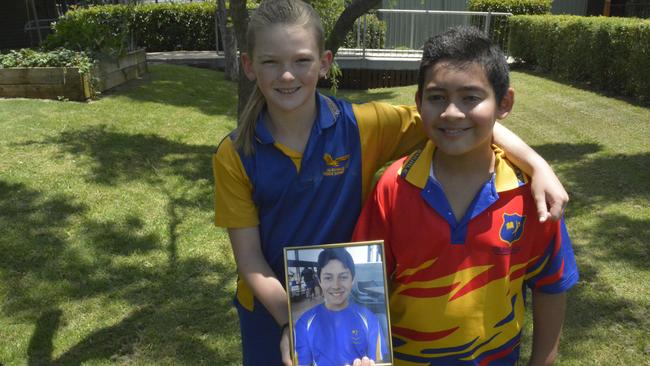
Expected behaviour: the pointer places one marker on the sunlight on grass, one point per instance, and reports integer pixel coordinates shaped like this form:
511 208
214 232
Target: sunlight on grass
110 255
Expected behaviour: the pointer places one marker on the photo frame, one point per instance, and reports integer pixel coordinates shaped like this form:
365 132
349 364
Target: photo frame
338 303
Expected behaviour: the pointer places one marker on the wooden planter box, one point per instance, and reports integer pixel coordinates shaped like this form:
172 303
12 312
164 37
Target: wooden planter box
67 82
111 73
44 83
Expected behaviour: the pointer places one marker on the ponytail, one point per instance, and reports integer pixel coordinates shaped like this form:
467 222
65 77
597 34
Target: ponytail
245 133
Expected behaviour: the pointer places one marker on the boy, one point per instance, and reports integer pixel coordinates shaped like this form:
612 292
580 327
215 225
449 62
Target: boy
338 332
459 223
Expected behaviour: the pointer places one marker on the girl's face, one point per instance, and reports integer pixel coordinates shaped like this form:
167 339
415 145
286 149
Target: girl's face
286 64
336 282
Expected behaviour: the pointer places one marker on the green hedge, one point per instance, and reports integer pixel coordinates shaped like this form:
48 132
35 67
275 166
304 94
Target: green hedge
375 35
166 27
612 54
114 29
499 29
512 6
98 30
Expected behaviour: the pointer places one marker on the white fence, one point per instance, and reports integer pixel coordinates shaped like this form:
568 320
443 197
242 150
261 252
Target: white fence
407 30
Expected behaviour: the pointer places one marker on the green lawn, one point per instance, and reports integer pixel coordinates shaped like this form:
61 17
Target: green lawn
109 255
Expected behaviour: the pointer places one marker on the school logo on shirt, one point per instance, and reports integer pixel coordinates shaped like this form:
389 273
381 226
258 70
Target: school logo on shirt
512 228
335 166
355 336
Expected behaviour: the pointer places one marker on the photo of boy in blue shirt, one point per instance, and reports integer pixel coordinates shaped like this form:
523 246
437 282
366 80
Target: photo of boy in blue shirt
338 331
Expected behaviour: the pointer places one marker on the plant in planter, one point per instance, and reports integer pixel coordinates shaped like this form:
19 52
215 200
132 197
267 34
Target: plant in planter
55 74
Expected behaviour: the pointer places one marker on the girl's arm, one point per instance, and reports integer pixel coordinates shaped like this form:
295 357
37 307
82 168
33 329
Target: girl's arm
256 272
549 194
548 317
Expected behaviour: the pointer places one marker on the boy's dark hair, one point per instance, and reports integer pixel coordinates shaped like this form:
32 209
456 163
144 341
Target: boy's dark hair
339 254
464 45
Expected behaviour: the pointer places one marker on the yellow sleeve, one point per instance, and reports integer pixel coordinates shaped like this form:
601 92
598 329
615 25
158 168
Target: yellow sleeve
387 132
233 191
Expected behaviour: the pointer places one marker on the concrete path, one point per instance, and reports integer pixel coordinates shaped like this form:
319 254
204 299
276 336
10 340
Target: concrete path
346 58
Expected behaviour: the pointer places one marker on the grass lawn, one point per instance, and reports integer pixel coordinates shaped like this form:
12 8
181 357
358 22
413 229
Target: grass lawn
109 255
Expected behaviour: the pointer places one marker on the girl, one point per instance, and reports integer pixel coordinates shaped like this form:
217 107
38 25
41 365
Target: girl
296 170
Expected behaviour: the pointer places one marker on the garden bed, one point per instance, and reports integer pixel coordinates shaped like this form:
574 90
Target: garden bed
111 73
68 82
45 83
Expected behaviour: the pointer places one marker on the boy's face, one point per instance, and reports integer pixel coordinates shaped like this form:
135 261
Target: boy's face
459 108
336 282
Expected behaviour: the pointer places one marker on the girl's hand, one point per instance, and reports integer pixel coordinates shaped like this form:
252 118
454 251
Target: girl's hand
549 194
284 347
363 362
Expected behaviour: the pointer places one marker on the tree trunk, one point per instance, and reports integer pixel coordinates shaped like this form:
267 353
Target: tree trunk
345 22
228 42
240 23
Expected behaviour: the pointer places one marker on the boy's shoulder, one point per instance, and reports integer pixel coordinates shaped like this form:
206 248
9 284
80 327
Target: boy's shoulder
413 168
508 177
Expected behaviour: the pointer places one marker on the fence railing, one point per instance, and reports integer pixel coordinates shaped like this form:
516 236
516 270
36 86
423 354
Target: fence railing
407 30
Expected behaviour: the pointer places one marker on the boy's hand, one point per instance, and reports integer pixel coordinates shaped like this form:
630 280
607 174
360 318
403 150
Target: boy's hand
363 362
284 347
549 194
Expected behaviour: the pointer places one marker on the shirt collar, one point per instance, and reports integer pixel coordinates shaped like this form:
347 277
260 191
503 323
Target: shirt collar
417 167
328 113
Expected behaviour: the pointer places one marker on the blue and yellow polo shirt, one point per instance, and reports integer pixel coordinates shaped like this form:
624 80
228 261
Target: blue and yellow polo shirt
314 197
457 286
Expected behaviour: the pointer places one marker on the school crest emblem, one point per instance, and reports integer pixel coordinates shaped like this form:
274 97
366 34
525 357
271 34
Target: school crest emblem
355 336
512 228
335 166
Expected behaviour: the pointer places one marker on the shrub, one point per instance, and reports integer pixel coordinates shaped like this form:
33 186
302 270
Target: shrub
98 30
512 6
613 54
375 34
329 11
166 27
115 29
27 57
498 29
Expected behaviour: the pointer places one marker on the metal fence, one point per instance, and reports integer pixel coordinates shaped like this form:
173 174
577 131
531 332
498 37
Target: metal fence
407 30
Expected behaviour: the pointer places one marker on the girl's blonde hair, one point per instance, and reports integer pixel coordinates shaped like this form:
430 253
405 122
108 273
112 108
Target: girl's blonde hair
269 13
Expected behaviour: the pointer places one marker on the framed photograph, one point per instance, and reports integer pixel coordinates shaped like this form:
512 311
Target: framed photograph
338 304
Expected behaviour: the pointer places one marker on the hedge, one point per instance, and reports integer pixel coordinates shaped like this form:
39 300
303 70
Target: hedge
512 6
499 27
166 27
115 29
97 30
612 54
375 33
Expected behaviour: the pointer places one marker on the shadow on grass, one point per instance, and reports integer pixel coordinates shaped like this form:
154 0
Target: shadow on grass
183 86
177 304
116 157
582 85
597 316
596 181
622 238
599 180
564 153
